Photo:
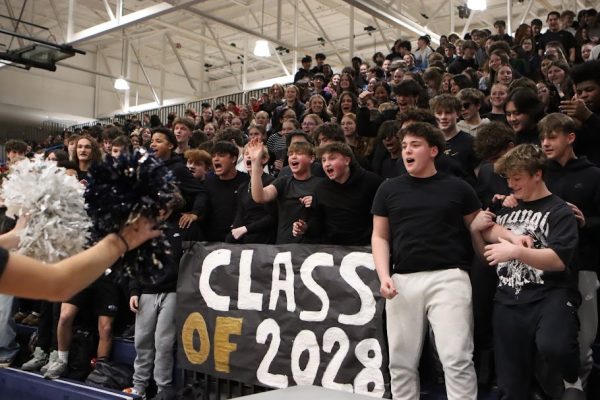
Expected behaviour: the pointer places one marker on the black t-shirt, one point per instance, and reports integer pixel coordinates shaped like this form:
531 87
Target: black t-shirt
222 205
552 225
3 260
564 37
460 147
496 117
425 215
289 207
343 209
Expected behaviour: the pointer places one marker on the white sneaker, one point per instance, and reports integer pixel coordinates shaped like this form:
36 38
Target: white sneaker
53 357
40 358
56 370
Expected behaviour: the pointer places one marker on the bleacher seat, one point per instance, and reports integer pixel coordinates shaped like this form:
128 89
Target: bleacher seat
17 384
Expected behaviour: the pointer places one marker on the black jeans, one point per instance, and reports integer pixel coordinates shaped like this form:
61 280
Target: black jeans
49 314
548 327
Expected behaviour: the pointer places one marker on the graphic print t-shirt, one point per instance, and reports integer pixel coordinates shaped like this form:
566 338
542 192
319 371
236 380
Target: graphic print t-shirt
552 225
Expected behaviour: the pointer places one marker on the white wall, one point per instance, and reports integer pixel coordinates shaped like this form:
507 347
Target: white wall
68 95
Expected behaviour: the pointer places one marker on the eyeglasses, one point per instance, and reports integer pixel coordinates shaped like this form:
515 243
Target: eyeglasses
466 105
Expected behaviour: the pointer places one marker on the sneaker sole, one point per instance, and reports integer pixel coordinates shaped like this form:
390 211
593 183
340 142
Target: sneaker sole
52 378
32 369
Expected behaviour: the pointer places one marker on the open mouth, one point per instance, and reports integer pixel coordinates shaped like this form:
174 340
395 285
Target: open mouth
409 161
329 170
217 165
294 164
248 163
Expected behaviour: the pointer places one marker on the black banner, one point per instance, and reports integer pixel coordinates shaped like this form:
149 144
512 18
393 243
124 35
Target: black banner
283 315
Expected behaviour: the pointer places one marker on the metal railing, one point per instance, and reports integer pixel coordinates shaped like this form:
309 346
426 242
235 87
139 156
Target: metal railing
179 109
37 134
218 388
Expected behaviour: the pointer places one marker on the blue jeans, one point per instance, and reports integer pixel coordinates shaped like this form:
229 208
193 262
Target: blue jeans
8 345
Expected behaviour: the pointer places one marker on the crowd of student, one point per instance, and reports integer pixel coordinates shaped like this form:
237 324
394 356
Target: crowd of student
398 153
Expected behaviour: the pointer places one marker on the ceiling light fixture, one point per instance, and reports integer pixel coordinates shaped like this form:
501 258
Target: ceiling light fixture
261 48
121 84
477 5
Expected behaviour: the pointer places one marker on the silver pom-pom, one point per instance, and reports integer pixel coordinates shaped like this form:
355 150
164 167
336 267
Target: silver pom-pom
58 224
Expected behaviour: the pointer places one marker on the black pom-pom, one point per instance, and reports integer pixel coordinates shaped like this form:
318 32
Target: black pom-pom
119 190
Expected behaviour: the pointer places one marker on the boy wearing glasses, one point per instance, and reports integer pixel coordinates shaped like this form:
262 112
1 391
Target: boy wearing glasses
536 300
470 101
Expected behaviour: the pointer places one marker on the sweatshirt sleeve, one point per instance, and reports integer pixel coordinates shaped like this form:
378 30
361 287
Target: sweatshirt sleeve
268 220
192 190
365 124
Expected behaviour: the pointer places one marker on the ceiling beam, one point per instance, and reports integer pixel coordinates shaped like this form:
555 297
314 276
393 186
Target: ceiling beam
323 32
109 75
392 17
125 21
210 41
181 63
244 29
146 77
210 31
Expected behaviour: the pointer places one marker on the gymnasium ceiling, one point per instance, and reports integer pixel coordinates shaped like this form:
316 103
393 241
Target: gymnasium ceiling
207 41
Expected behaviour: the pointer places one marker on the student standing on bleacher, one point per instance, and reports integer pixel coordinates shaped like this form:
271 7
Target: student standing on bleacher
154 304
422 218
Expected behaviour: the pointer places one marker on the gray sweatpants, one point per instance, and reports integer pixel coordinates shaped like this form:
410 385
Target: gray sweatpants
442 298
588 319
155 333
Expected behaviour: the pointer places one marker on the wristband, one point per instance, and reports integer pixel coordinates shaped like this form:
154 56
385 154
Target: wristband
123 240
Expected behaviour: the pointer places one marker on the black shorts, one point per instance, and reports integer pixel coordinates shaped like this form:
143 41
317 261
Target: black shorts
102 296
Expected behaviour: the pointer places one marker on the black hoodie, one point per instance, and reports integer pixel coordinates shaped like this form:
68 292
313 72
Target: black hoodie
194 196
191 189
578 182
344 210
587 142
259 219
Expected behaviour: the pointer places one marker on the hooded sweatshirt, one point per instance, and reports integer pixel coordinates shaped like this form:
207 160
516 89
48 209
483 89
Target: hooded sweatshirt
578 182
194 196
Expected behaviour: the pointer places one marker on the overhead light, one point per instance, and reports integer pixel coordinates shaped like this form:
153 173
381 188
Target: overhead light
261 49
121 84
477 5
